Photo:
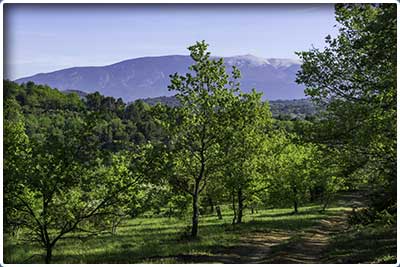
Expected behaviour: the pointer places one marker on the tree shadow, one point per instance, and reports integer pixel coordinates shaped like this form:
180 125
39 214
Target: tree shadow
164 242
374 243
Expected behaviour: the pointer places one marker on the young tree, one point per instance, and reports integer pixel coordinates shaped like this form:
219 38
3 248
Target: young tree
326 174
195 129
291 176
243 144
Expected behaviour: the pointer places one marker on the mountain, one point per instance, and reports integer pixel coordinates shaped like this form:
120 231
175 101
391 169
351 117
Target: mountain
149 77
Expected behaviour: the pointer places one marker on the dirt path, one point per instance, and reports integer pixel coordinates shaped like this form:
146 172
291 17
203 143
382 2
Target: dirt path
307 247
278 246
275 246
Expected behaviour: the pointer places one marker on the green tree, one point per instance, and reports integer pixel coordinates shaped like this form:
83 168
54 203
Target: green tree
54 191
291 172
16 154
245 136
355 77
194 131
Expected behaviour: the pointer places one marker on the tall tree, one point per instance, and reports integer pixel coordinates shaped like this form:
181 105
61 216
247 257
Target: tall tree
355 77
205 94
243 143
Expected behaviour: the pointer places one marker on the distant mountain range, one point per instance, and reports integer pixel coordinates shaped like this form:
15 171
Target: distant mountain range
148 77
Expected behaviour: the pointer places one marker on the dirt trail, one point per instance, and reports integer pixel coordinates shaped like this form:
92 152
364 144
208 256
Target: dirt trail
278 246
308 247
281 246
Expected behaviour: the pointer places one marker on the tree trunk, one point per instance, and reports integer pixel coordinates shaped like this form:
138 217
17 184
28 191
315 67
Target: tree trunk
252 210
233 207
240 206
49 250
114 229
115 223
295 199
312 194
326 202
211 204
195 217
219 214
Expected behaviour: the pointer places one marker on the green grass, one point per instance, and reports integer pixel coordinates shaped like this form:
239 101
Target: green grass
369 244
160 240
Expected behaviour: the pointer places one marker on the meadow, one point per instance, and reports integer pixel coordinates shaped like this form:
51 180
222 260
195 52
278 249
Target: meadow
266 236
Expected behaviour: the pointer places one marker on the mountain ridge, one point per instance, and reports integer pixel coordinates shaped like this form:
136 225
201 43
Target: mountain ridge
145 77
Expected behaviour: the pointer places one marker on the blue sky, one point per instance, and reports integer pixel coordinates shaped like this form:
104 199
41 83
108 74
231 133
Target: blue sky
44 38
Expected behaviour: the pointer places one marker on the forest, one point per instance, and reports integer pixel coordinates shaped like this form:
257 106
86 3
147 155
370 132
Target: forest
216 177
293 109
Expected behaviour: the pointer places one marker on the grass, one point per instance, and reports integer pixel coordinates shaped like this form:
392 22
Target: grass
160 240
369 244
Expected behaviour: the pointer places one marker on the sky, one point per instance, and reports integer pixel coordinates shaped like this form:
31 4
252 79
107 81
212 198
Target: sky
44 38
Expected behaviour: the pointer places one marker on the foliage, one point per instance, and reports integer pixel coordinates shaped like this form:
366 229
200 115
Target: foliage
67 167
355 77
195 129
244 142
292 173
294 109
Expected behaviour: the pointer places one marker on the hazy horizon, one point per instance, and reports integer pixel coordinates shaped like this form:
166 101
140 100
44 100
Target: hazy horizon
46 37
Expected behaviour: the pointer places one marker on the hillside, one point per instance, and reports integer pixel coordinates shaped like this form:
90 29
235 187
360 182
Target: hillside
149 77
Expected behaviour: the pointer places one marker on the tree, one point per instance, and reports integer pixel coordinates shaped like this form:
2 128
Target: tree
355 77
246 134
290 171
16 153
54 192
195 129
326 176
71 165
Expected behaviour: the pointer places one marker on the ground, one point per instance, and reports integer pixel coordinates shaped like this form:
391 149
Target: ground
268 236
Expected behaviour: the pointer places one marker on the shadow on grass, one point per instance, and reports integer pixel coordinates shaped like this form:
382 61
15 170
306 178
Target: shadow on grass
141 243
158 246
122 257
294 223
372 244
305 212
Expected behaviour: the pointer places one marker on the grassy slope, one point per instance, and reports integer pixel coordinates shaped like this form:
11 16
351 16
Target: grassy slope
161 240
